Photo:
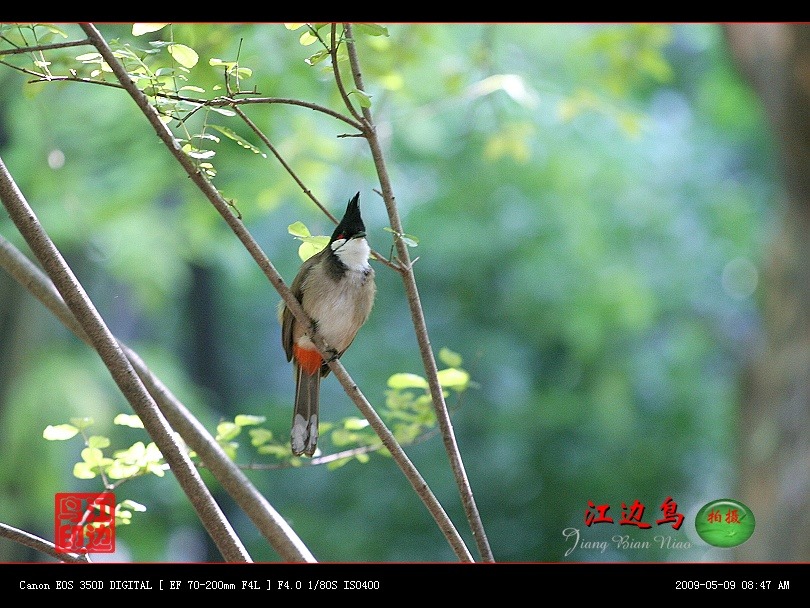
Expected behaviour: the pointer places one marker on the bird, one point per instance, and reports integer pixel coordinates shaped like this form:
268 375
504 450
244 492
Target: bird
336 289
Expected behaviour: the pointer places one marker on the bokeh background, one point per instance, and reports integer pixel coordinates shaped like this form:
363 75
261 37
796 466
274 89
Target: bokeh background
597 208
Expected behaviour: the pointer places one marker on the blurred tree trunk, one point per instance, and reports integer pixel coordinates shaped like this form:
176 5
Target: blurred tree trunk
775 421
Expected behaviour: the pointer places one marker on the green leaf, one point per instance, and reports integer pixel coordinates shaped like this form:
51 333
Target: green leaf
139 29
98 441
318 57
184 55
259 437
405 380
123 517
53 29
407 433
372 29
124 509
409 239
307 38
239 140
82 470
158 469
275 449
298 229
89 58
82 423
231 67
454 378
355 424
336 464
223 111
131 504
130 420
94 457
152 453
294 26
230 449
248 420
342 437
362 97
121 470
311 246
449 358
206 136
133 454
60 432
227 431
198 153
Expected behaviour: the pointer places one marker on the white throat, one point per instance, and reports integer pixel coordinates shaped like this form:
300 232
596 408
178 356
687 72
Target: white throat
353 253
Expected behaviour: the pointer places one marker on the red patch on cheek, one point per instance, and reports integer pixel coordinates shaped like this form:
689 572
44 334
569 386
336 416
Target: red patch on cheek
309 360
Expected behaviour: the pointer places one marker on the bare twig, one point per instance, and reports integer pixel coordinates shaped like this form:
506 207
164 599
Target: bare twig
333 51
44 47
350 453
300 183
221 101
411 473
417 314
269 523
120 369
41 545
41 78
216 102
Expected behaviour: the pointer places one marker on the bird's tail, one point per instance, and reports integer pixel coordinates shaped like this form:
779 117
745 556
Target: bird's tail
304 434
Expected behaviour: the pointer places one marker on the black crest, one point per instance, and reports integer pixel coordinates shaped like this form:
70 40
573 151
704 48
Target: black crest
351 225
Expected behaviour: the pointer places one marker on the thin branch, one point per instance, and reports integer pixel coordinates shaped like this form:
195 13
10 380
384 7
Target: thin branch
44 47
227 101
122 372
40 77
333 51
269 523
39 544
284 163
216 102
300 183
417 314
390 442
43 78
350 453
211 193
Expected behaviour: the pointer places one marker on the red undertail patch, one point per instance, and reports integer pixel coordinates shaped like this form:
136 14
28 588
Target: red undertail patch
309 360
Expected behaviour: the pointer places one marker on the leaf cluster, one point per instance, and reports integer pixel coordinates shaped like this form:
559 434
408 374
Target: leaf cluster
137 460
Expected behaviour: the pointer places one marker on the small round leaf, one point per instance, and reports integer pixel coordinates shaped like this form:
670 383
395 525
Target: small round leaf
405 380
60 432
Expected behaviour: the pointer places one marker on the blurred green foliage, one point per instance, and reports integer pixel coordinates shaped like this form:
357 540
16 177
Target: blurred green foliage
590 202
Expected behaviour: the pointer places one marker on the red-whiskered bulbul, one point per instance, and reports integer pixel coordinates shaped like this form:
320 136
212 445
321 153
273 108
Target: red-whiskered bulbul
336 289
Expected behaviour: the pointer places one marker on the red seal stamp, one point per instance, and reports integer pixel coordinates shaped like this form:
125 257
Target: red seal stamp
84 522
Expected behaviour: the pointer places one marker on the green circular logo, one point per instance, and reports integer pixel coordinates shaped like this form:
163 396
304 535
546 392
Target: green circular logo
725 523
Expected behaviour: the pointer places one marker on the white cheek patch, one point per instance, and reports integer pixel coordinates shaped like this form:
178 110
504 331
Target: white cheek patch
353 253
